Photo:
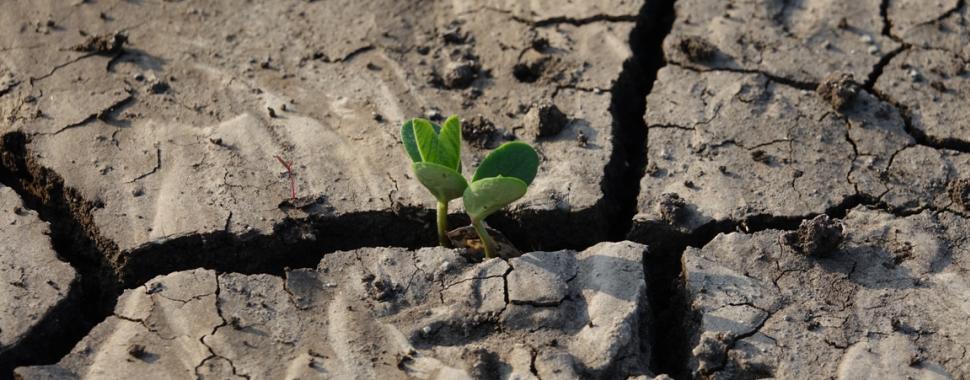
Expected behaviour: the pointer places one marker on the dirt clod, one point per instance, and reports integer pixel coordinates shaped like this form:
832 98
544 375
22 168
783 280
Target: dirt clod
761 156
710 351
454 35
816 237
697 49
136 351
480 132
581 139
485 364
672 208
159 88
838 89
959 191
459 75
544 120
530 67
106 43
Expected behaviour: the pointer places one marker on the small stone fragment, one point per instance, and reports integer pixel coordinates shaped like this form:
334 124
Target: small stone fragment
816 237
838 89
433 114
545 120
581 139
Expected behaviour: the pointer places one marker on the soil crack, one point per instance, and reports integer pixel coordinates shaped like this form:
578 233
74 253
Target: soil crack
800 85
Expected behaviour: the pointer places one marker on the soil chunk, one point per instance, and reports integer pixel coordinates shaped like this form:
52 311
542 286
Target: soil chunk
459 75
816 237
838 89
672 208
544 120
530 67
480 132
960 192
761 156
136 351
106 43
697 49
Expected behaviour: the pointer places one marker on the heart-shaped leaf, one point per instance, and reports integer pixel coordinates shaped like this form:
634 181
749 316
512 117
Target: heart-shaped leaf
444 183
410 142
513 159
488 195
431 148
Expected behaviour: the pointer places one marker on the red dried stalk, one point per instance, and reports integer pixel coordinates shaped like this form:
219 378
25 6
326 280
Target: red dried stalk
289 170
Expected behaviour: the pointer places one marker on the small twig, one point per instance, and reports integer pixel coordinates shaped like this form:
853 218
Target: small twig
289 170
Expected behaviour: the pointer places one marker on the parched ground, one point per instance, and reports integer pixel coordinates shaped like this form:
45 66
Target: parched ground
732 189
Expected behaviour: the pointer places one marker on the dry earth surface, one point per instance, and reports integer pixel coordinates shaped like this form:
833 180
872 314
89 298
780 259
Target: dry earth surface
728 189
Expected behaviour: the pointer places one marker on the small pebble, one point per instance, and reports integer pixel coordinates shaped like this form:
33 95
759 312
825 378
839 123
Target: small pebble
433 114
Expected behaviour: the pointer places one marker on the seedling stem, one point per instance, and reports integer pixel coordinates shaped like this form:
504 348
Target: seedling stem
443 225
486 238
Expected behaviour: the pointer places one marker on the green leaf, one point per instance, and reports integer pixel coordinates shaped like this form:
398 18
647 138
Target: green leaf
512 159
430 146
486 196
409 142
450 137
444 183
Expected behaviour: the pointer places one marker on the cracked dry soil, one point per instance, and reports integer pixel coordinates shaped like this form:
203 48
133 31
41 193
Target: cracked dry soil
728 189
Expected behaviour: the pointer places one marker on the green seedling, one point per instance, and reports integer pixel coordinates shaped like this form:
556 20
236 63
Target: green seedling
503 177
435 153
